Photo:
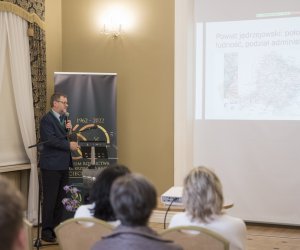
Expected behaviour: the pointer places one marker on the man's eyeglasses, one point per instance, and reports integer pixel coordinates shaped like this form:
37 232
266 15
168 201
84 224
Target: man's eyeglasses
64 103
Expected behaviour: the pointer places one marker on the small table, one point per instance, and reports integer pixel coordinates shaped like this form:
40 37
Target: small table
175 208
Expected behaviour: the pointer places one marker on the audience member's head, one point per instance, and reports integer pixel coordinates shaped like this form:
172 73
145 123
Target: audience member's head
202 194
12 234
101 189
133 198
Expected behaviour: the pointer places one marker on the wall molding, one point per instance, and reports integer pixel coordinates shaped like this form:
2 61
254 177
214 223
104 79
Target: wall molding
12 168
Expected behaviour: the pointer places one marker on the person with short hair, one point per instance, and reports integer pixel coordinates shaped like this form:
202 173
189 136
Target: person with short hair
12 206
55 160
133 198
100 207
203 201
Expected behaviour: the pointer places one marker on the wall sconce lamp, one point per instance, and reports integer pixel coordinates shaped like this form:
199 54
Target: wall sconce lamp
113 29
113 22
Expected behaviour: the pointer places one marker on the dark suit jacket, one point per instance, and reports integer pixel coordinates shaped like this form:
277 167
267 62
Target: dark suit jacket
55 154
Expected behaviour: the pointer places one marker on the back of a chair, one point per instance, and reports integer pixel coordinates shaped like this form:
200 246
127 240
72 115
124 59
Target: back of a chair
81 233
28 232
193 237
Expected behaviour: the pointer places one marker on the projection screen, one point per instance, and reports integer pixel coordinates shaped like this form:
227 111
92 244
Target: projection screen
247 119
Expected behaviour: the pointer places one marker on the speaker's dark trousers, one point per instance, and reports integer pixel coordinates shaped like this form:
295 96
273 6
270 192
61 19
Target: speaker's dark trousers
53 182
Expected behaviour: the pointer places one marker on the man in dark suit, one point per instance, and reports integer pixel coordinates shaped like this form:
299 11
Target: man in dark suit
55 160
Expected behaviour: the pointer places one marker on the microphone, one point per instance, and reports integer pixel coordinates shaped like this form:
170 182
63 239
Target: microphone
67 115
71 136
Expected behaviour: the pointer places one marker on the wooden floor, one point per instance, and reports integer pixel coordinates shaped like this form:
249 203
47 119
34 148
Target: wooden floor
267 238
259 237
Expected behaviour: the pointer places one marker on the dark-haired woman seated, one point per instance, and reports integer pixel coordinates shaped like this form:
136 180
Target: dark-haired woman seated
100 207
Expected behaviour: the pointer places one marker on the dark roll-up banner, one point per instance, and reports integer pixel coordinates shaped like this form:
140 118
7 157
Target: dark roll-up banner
92 110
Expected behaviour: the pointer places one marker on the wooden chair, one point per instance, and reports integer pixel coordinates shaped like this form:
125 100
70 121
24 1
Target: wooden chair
28 232
81 233
193 237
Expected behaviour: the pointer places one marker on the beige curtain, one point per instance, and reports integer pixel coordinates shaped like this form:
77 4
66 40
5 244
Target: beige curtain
33 12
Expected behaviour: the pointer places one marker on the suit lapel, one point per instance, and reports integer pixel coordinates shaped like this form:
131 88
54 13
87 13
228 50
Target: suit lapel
57 122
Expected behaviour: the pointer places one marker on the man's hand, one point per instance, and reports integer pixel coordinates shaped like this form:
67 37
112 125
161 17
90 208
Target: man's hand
74 145
69 125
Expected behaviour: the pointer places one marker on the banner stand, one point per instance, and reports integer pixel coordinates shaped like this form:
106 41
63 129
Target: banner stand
92 111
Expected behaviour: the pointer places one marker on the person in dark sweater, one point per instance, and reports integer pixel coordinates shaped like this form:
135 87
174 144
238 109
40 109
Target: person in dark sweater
133 198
